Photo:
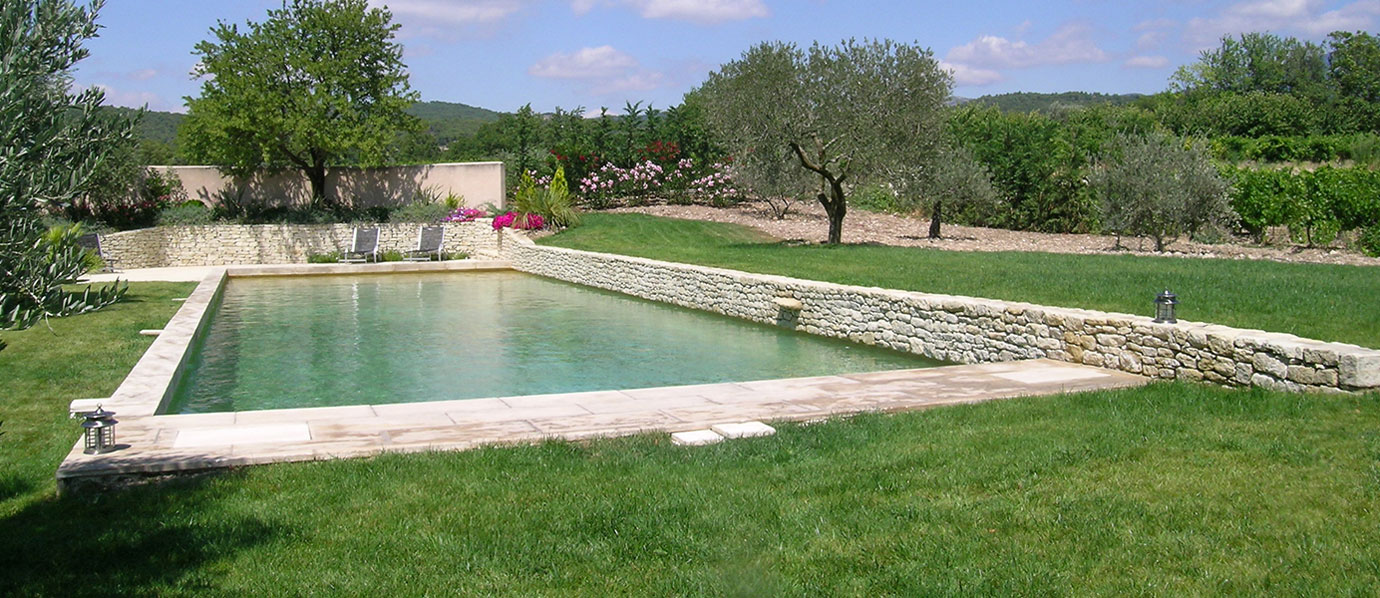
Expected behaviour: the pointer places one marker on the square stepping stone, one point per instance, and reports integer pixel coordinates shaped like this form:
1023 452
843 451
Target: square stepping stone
695 438
1047 375
743 430
231 435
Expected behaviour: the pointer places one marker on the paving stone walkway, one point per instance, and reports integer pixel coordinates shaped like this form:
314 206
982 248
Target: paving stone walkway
156 444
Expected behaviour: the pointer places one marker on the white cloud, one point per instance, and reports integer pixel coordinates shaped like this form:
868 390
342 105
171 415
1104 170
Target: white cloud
455 12
1150 40
136 99
1071 44
1153 24
1146 62
705 12
600 71
969 76
143 74
1305 16
1153 33
602 62
980 62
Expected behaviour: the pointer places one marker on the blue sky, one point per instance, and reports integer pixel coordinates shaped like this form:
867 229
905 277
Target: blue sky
500 54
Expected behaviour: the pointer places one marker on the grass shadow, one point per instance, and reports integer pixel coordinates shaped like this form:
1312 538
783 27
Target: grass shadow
13 485
139 540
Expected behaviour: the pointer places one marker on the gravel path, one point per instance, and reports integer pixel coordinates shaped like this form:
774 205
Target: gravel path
806 223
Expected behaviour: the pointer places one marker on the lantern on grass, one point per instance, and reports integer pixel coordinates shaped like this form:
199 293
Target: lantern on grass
1164 307
99 429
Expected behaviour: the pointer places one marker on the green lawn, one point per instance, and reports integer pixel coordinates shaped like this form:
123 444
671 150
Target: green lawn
1167 490
47 366
1335 303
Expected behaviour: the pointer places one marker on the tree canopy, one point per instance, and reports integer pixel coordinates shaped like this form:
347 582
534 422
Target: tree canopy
1159 186
841 113
1258 62
51 143
319 83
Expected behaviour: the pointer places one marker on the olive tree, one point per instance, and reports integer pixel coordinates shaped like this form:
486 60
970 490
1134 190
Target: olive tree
320 83
51 143
1159 186
954 179
841 114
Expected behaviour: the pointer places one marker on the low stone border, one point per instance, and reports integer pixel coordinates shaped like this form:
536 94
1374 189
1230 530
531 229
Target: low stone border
230 244
970 329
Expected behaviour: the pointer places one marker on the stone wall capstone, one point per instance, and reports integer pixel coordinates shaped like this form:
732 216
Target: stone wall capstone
969 329
225 244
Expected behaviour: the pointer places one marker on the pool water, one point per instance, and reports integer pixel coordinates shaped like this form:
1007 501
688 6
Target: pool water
351 340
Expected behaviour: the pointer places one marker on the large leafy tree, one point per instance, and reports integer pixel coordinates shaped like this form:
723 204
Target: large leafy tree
1354 65
51 143
319 83
1260 63
842 114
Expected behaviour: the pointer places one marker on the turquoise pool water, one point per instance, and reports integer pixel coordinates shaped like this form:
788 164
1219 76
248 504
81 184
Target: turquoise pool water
349 340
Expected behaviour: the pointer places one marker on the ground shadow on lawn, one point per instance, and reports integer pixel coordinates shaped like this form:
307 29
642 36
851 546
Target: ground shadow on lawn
139 540
13 485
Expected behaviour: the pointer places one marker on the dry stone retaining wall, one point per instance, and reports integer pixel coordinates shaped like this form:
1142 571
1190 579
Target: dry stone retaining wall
224 244
972 330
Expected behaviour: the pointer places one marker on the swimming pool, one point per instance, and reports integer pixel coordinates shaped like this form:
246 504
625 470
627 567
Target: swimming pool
288 342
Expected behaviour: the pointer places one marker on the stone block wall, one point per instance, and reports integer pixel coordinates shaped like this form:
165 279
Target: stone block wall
224 244
972 330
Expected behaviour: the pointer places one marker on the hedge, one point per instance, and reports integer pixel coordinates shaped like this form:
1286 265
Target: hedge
1315 205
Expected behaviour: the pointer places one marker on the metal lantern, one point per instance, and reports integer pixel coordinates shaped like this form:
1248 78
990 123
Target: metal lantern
1164 307
99 431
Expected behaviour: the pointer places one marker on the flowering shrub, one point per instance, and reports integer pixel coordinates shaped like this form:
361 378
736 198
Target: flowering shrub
715 187
463 215
577 161
661 152
513 220
679 183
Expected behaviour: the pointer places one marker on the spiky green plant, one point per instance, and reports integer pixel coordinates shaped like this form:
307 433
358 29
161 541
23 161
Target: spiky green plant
553 203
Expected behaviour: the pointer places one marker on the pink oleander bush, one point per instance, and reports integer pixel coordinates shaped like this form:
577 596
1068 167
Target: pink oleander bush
464 215
681 183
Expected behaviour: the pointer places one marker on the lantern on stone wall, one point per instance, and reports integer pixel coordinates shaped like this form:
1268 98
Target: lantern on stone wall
99 429
1164 307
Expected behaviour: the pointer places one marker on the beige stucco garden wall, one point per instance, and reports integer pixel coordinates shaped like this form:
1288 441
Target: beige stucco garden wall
971 329
479 182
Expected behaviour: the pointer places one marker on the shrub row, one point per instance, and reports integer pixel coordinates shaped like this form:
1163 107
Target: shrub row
1364 148
1315 205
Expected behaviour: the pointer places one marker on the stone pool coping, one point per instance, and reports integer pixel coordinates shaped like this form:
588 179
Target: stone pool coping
154 445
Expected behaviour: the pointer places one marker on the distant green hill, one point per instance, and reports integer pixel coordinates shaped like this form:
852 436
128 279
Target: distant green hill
445 120
448 120
155 126
1025 101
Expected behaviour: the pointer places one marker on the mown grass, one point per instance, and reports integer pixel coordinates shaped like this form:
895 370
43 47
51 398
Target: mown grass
1327 302
1167 490
47 366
